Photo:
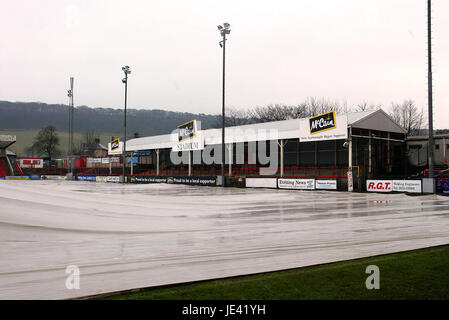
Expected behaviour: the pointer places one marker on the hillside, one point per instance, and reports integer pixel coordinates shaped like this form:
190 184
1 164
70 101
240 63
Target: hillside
36 115
25 139
25 119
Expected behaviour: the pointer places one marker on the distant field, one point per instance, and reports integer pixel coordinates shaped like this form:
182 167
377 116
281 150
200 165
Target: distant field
25 139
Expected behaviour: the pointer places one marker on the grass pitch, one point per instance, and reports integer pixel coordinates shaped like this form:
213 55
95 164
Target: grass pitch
417 274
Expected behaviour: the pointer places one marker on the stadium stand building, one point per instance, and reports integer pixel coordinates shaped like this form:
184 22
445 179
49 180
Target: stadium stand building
369 141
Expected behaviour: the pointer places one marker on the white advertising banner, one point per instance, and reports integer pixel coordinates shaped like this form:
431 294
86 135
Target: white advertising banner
412 186
326 126
326 184
261 182
194 143
116 150
300 184
115 159
104 160
113 179
53 177
31 163
379 185
100 179
189 137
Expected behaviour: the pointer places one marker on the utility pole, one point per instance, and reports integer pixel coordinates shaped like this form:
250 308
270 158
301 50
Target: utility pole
224 30
430 93
127 71
71 124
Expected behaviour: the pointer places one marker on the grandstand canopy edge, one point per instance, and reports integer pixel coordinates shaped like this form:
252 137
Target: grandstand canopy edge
376 120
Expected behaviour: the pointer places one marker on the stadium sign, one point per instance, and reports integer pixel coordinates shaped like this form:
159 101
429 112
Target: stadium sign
322 122
115 144
187 130
188 137
326 126
115 147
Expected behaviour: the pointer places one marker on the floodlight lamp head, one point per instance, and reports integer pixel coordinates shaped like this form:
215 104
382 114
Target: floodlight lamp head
226 25
220 27
124 80
220 43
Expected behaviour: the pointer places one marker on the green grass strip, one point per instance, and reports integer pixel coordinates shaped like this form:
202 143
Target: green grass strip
417 274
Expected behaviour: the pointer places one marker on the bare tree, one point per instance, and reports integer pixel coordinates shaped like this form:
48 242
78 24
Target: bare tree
271 113
90 136
46 142
365 106
310 107
233 117
408 116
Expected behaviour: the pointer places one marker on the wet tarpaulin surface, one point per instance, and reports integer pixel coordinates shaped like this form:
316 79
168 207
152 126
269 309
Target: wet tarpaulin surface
131 236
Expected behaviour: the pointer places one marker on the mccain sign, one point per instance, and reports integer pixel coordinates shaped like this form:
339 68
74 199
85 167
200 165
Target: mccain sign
322 122
326 126
189 137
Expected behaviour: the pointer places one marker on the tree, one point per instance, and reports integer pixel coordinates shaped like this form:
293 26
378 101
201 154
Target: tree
364 106
233 117
408 116
29 151
90 136
46 142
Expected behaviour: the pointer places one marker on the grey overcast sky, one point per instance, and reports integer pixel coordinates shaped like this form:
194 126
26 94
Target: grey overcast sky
279 51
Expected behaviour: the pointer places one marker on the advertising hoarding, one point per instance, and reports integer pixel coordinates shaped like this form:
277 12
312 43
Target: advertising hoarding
148 179
260 182
116 150
411 186
444 187
86 178
326 126
194 181
326 184
379 185
115 179
189 138
16 178
299 184
31 163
